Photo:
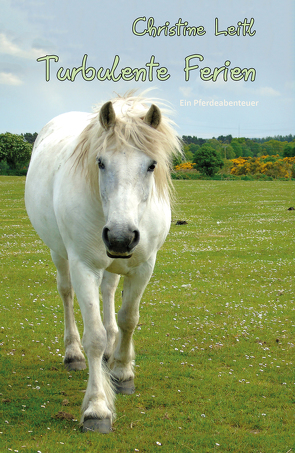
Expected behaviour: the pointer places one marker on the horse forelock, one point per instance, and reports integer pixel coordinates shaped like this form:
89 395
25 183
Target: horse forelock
130 131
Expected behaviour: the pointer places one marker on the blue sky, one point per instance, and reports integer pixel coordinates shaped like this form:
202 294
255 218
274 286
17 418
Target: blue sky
30 29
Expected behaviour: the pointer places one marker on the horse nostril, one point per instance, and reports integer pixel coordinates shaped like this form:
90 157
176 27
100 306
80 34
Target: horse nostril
136 238
105 236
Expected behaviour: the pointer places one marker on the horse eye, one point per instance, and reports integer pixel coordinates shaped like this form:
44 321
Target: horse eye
100 164
152 167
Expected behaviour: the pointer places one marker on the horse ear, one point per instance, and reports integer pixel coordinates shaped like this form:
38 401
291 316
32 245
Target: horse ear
153 116
107 116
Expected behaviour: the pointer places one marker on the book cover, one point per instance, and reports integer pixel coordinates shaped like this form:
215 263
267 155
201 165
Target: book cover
226 67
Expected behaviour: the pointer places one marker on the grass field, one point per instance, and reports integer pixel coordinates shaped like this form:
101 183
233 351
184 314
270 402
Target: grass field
215 343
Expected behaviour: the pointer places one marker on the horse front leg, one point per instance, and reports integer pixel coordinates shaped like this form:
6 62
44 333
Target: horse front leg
108 288
98 404
74 358
121 362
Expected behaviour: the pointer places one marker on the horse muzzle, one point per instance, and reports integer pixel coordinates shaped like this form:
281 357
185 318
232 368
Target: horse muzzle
119 243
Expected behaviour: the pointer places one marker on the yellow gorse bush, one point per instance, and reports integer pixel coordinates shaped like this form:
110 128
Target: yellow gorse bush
185 166
273 166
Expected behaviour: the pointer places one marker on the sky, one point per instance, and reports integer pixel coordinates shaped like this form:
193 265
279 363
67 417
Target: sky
261 106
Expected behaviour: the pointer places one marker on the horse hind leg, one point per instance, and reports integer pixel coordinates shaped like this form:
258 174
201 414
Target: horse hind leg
74 358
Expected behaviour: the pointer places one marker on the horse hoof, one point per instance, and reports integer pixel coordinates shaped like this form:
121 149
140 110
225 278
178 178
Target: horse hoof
74 365
124 387
102 426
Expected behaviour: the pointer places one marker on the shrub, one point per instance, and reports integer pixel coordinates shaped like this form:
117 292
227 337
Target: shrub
271 166
208 161
185 166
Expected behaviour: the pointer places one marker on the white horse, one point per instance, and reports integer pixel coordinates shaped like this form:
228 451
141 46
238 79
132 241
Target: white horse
97 193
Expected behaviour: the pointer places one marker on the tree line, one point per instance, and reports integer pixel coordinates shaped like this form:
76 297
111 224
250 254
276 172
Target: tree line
207 155
228 138
230 147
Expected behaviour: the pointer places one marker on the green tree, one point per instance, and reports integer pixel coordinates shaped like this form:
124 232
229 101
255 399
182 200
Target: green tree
254 147
236 146
14 150
241 147
215 144
4 167
225 139
188 155
188 139
289 151
193 148
208 161
275 146
227 152
30 137
247 151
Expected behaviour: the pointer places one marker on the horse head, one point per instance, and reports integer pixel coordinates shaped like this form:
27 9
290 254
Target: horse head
125 182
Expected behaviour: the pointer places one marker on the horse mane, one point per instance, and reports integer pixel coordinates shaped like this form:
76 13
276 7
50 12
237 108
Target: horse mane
130 131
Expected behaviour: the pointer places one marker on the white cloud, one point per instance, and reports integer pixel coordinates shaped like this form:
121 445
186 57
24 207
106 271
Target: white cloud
9 48
267 91
7 78
186 91
290 85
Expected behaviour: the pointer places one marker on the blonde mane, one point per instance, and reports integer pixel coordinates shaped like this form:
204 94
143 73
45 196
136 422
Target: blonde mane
130 131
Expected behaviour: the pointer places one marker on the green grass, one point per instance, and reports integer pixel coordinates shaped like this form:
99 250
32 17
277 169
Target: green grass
215 341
